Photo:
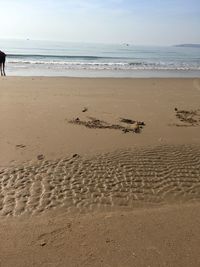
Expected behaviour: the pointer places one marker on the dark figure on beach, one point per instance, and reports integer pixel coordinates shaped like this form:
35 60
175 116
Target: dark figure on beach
2 63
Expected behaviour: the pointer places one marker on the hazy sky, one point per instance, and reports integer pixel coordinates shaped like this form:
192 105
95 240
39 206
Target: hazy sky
107 21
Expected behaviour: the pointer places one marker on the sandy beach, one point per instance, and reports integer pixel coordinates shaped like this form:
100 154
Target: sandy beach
99 171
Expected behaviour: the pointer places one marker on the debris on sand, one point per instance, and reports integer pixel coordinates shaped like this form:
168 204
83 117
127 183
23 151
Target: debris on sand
40 157
190 117
43 243
130 121
20 146
95 123
84 109
75 155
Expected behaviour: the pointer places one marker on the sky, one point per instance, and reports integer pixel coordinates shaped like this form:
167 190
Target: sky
139 22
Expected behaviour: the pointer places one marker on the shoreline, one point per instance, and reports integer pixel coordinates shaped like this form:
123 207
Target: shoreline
101 78
8 77
105 74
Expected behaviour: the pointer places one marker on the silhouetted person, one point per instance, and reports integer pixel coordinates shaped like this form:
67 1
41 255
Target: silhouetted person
2 63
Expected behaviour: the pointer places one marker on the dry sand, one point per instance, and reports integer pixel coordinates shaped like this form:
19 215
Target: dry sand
96 192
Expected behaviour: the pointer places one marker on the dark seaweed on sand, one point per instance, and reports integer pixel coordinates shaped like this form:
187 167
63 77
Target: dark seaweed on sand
191 117
99 124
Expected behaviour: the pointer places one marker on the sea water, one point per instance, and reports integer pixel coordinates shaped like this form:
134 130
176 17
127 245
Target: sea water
45 58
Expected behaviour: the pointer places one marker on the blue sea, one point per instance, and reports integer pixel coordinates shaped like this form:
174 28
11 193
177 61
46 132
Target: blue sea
45 58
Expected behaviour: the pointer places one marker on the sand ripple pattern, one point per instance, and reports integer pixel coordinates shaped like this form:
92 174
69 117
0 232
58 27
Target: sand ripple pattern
122 178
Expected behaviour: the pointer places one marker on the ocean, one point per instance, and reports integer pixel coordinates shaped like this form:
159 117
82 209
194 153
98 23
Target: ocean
45 58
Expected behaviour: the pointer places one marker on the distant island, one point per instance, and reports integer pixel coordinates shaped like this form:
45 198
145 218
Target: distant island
188 45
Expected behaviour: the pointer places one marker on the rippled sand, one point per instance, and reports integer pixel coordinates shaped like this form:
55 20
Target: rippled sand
123 178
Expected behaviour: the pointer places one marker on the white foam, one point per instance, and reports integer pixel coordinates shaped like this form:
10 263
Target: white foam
78 65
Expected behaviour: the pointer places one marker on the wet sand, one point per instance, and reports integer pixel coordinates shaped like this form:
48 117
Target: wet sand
123 179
